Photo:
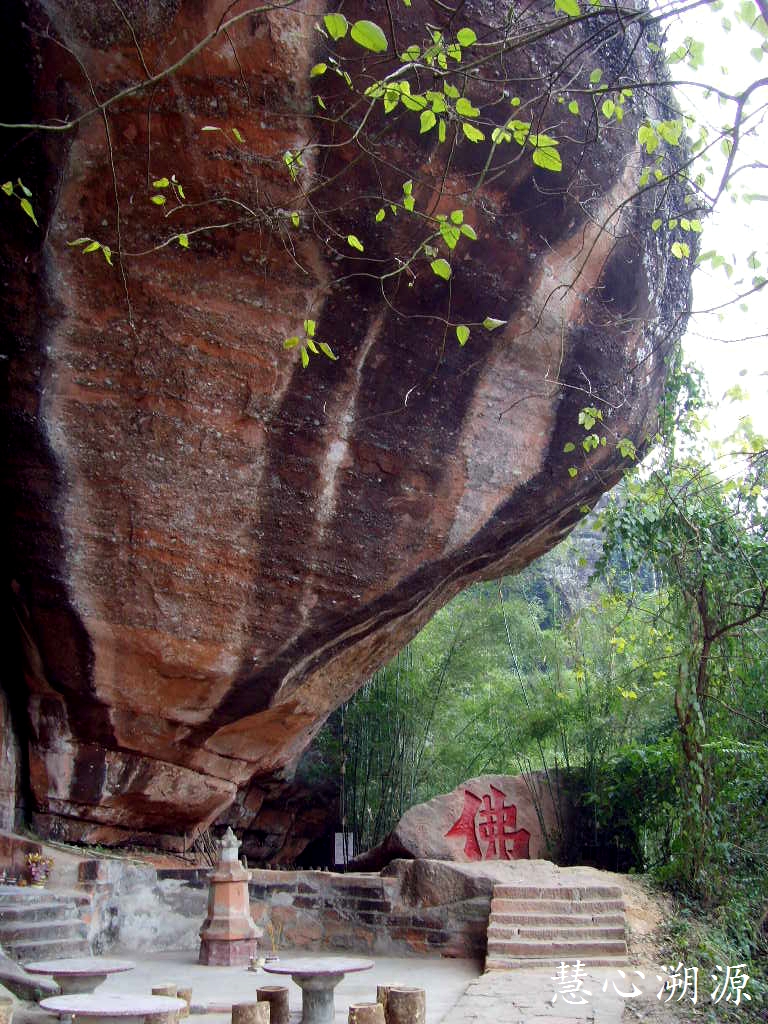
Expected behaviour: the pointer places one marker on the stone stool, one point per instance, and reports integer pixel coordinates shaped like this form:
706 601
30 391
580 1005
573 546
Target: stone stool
277 997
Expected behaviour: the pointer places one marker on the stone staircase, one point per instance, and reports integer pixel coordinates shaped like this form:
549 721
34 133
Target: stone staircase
39 924
532 926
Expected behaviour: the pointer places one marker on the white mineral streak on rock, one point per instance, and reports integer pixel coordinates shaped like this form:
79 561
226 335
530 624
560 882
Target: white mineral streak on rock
341 421
513 386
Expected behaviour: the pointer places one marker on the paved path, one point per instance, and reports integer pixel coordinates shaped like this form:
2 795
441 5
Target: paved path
456 991
598 994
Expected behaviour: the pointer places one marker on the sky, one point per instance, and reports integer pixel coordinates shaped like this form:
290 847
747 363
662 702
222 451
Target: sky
735 228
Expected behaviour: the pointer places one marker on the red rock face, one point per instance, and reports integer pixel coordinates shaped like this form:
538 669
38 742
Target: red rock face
210 546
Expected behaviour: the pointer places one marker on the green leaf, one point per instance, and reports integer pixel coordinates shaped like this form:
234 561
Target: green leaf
355 242
407 187
295 219
380 215
327 350
161 183
466 36
336 25
107 254
573 107
79 241
309 328
184 240
304 358
291 342
457 216
8 188
24 188
465 109
368 35
548 158
158 200
656 224
442 268
473 134
462 333
411 54
27 208
312 347
238 135
318 69
569 7
609 108
469 231
391 99
596 75
648 138
670 131
416 102
441 130
450 91
680 250
569 446
428 121
180 190
437 100
491 323
572 471
626 448
450 235
92 247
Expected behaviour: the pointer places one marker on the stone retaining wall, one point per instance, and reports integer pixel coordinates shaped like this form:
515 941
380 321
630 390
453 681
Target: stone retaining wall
141 908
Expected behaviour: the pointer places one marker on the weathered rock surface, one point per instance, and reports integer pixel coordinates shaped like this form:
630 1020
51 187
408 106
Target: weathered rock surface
488 818
209 547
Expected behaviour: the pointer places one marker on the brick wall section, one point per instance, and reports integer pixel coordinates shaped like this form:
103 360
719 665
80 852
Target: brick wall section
318 910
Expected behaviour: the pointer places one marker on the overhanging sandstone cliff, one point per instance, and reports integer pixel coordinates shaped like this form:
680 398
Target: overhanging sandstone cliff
210 546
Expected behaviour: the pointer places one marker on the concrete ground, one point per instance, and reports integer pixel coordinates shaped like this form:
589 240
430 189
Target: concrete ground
456 991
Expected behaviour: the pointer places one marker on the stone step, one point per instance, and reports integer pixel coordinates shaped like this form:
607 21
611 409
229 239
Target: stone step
560 948
47 911
502 905
502 963
47 949
573 893
500 931
22 896
558 920
32 931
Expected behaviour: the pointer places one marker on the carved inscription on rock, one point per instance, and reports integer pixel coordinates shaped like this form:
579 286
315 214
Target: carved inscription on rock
487 826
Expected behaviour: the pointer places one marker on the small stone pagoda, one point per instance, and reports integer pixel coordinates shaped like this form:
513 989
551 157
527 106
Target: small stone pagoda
228 937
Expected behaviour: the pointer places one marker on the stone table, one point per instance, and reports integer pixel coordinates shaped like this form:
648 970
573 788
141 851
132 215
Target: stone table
79 974
317 977
112 1009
